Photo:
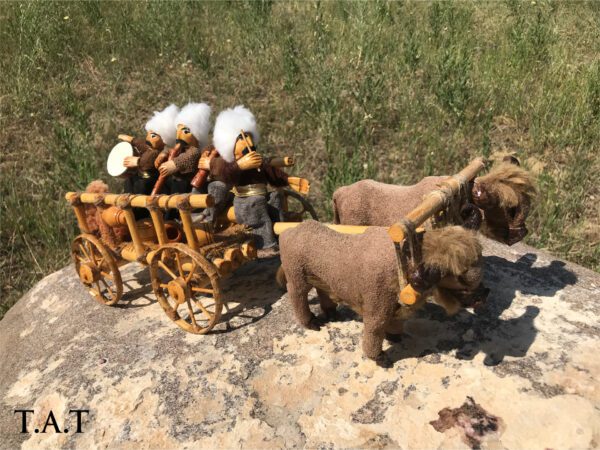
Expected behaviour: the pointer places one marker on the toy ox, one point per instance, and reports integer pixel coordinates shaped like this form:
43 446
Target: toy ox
371 268
503 195
361 271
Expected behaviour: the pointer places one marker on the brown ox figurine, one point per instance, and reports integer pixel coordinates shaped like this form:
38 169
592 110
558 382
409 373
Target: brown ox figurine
504 195
361 272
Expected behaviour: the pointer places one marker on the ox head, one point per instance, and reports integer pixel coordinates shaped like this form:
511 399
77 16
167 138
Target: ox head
451 269
505 195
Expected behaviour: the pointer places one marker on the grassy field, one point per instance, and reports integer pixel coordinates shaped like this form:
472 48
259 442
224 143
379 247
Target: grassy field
393 91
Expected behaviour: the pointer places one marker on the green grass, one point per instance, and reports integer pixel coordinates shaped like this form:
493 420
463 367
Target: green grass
388 90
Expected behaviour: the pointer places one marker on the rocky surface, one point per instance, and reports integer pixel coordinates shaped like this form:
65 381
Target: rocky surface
521 374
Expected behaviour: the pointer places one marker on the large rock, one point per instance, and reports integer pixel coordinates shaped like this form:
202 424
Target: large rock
522 374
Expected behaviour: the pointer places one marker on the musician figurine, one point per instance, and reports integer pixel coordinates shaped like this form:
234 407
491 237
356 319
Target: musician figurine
159 131
238 164
206 183
178 166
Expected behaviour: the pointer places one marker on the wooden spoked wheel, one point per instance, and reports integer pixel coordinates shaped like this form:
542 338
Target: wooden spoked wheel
187 287
97 269
298 208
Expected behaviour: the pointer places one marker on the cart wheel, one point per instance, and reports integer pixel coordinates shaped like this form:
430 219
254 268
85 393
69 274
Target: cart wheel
187 287
298 214
97 269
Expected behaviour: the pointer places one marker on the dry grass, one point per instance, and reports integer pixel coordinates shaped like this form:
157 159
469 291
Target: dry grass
393 91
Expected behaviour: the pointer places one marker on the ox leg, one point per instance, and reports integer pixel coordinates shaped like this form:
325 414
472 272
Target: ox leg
377 315
328 306
298 294
373 334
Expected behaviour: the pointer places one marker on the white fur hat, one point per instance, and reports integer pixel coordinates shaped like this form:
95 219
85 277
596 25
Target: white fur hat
228 126
163 123
196 116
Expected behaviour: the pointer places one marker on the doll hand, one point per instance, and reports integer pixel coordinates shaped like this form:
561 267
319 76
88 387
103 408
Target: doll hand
252 160
167 168
204 163
131 161
300 185
125 138
161 158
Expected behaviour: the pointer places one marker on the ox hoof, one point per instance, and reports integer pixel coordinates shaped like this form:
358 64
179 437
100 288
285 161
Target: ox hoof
383 360
330 314
314 324
394 337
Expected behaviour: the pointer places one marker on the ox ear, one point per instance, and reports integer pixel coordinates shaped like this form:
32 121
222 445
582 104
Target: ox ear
422 278
512 160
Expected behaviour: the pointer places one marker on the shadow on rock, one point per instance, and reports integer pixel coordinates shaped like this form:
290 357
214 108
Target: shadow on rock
506 278
432 332
139 296
249 294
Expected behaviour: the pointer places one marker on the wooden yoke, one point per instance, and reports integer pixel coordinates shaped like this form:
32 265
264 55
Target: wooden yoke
403 231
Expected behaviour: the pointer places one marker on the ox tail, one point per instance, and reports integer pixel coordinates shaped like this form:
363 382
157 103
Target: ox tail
281 278
336 214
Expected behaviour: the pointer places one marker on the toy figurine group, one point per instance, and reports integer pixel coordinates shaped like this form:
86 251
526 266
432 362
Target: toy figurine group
389 250
176 158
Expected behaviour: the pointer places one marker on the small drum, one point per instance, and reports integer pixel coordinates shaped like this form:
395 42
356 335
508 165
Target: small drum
114 165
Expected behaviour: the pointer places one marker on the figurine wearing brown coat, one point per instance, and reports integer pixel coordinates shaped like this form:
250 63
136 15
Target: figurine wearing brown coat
504 195
361 272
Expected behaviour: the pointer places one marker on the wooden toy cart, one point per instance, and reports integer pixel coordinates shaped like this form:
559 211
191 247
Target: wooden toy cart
187 261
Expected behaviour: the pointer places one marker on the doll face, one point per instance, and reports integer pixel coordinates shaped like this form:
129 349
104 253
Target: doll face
154 140
243 145
184 135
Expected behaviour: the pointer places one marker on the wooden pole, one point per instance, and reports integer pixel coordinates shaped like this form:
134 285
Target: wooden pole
280 227
188 228
159 226
133 231
140 201
283 161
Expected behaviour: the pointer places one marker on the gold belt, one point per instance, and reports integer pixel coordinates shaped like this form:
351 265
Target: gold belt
250 190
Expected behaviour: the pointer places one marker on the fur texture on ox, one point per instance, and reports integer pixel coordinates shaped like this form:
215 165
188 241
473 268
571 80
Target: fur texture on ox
450 249
361 272
368 202
504 196
509 184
